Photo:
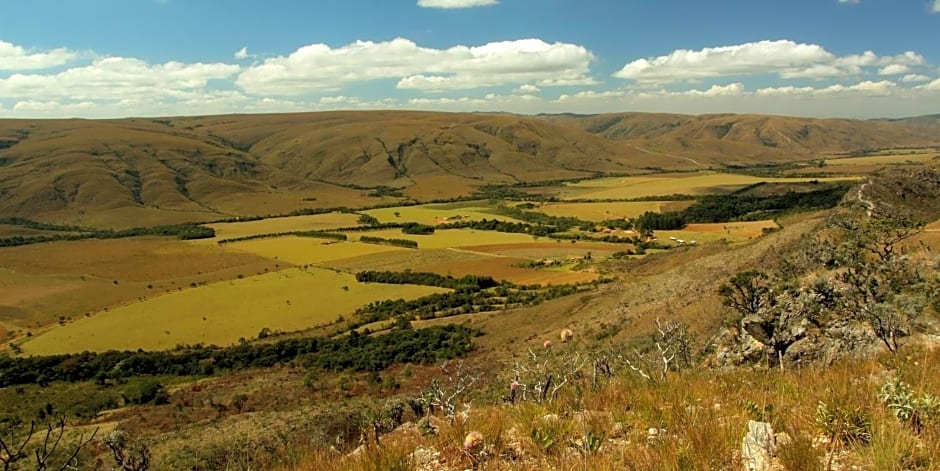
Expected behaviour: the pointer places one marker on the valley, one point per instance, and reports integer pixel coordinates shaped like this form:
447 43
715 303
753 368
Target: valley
290 269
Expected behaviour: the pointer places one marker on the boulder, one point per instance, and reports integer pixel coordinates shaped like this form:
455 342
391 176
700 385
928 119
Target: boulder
759 447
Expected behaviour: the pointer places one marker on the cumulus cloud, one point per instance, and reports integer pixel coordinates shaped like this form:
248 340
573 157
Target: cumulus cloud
13 57
915 78
528 88
320 67
452 4
936 6
787 59
116 78
242 53
850 2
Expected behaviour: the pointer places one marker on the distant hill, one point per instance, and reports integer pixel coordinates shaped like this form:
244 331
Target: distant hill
132 172
744 139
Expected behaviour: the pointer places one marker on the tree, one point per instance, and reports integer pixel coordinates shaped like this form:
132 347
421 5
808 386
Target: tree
881 277
747 292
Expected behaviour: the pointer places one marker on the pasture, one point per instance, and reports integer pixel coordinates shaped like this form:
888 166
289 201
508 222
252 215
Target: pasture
42 282
887 159
732 231
433 214
308 250
221 313
612 210
316 222
459 262
699 183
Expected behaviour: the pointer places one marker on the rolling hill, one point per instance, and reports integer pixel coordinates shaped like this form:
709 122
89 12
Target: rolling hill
134 172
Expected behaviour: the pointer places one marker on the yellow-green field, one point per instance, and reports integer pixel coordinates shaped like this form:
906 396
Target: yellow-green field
308 250
40 282
885 159
433 214
666 184
221 313
613 210
316 222
449 238
732 231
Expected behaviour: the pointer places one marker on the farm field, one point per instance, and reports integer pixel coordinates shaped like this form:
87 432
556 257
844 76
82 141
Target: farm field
885 159
458 262
40 283
553 249
10 230
437 213
732 231
308 250
221 313
611 210
666 184
316 222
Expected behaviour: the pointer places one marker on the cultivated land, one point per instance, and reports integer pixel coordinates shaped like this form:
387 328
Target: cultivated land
316 222
307 250
221 313
699 183
609 210
438 213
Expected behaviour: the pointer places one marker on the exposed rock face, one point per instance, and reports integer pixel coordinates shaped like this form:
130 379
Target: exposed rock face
758 448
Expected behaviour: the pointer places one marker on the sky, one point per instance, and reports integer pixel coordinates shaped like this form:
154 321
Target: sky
121 58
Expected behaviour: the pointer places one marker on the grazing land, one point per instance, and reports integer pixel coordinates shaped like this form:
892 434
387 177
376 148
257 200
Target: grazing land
221 313
306 250
437 213
43 283
316 222
609 210
699 183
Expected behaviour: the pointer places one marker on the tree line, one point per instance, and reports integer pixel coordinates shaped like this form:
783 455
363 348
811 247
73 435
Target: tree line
353 352
409 244
465 283
311 234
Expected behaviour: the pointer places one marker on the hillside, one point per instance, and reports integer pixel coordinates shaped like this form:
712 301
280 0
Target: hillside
132 172
749 139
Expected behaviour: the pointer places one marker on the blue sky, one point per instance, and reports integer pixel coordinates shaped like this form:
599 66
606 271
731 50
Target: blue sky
113 58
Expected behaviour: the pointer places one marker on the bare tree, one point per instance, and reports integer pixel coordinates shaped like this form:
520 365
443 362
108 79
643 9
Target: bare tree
13 453
129 454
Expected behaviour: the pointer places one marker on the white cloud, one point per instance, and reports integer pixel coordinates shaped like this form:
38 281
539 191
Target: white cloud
914 78
319 67
242 53
785 58
936 6
13 57
451 4
850 2
894 69
932 86
528 88
117 78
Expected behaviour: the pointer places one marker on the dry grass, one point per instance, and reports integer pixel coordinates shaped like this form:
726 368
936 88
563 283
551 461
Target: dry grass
700 418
